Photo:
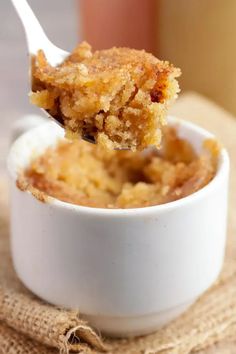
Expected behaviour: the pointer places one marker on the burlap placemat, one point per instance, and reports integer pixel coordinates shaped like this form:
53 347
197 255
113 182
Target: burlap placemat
28 325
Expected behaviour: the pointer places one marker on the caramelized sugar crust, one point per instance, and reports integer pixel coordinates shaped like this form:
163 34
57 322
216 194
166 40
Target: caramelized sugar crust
81 173
118 96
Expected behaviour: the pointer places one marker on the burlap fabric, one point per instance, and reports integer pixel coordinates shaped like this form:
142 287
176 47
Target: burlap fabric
28 325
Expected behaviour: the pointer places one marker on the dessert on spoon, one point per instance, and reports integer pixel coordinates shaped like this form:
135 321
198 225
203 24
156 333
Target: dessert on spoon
116 97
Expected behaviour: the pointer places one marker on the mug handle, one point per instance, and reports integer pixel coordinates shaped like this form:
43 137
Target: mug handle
24 124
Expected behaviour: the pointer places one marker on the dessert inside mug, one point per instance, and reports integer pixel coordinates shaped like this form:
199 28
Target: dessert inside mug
81 173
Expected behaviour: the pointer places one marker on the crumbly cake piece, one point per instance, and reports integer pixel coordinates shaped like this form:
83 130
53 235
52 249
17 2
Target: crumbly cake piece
85 174
119 96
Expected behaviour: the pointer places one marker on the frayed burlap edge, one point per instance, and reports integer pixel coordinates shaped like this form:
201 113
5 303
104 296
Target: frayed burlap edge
46 324
168 341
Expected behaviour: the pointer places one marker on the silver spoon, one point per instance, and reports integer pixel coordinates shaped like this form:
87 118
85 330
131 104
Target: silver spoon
37 39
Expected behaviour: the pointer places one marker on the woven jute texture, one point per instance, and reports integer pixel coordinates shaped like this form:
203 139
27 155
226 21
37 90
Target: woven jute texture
12 342
28 325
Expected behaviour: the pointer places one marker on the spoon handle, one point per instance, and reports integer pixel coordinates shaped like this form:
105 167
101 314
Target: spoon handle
36 38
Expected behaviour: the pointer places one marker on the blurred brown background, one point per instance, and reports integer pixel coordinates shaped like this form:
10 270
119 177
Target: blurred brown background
119 23
199 36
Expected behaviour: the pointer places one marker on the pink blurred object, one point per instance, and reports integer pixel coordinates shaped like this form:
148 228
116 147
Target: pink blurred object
107 23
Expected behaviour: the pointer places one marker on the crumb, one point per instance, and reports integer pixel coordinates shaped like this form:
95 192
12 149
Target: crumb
24 185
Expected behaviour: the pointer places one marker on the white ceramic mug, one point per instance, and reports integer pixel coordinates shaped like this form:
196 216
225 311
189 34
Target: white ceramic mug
128 271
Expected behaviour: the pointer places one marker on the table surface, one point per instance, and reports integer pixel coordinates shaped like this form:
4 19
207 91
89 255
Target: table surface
189 106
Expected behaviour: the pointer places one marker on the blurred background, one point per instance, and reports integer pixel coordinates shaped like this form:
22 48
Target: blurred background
196 35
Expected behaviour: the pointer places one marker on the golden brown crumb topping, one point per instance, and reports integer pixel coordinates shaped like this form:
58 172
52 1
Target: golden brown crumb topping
81 173
118 96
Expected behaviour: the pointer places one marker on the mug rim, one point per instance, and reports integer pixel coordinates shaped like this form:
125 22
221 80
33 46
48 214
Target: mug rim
222 168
